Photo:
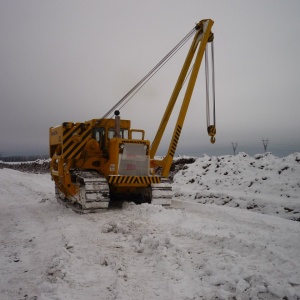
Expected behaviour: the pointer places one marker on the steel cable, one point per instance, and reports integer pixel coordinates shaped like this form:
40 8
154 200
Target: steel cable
207 87
213 81
146 78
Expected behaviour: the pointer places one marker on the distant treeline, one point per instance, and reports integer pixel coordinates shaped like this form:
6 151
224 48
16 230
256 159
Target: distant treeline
21 158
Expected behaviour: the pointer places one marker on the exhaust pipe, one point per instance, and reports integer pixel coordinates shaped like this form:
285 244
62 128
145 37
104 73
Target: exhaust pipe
117 124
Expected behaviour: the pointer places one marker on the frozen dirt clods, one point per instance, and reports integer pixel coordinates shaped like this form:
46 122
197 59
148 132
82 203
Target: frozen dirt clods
37 167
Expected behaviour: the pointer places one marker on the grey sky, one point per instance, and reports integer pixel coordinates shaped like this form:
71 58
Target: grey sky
73 60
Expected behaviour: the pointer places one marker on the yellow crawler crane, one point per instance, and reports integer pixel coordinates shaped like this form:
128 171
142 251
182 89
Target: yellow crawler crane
97 162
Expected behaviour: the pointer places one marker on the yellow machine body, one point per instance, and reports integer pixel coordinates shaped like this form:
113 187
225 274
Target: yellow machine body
92 145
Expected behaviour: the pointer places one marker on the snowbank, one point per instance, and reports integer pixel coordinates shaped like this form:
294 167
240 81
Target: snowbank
263 183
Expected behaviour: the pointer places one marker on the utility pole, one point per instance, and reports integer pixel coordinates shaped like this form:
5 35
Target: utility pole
265 143
234 145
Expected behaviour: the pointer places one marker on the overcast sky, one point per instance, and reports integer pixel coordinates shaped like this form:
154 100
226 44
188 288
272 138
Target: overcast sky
73 60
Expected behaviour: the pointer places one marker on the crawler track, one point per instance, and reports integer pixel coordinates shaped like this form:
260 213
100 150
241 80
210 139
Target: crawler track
94 194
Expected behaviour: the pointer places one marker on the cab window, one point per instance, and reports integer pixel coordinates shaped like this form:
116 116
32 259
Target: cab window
123 133
99 134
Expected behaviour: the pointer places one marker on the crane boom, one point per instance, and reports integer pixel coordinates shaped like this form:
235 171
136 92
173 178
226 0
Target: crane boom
202 36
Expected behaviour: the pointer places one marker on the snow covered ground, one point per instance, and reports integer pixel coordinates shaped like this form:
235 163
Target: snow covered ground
191 251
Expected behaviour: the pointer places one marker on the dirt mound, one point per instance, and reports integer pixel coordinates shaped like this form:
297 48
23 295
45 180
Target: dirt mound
37 167
42 166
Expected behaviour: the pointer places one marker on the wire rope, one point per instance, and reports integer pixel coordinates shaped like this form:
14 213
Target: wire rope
207 78
207 87
211 127
147 77
213 80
